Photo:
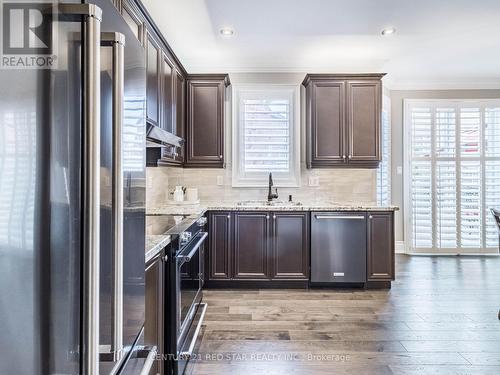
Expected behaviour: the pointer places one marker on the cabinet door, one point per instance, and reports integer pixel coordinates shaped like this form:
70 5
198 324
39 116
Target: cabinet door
167 94
380 257
364 108
132 17
152 80
290 255
205 128
251 242
327 133
219 257
180 107
153 327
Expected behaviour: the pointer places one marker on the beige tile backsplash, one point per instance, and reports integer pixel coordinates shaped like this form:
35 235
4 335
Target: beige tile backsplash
335 185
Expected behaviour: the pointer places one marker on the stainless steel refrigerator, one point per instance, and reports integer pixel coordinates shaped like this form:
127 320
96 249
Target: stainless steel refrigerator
72 191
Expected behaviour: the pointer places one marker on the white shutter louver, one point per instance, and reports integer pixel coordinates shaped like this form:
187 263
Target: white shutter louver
384 169
454 175
266 135
446 204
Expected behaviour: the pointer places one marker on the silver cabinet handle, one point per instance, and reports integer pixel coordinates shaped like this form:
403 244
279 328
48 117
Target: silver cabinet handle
150 360
187 258
338 217
91 15
187 354
117 42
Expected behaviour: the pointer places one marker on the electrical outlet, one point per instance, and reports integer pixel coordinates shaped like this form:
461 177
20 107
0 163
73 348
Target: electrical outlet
313 181
399 170
220 180
150 182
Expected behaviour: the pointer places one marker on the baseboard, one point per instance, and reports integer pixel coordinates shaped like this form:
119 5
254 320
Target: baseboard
400 247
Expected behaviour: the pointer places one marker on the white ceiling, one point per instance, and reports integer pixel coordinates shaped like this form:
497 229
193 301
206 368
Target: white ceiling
438 43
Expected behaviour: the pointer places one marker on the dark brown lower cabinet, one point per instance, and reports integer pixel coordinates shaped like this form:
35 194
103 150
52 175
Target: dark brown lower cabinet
258 246
153 327
290 255
219 257
380 251
252 249
251 245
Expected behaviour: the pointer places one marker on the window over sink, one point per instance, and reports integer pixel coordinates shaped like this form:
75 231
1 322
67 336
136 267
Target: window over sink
266 136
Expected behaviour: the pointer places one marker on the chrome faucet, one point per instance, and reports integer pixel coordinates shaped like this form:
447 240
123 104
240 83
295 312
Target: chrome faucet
270 195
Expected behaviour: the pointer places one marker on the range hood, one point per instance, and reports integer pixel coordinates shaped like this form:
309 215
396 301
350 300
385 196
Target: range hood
157 137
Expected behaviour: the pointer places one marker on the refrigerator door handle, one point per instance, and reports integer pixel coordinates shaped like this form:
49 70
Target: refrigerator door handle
91 16
116 41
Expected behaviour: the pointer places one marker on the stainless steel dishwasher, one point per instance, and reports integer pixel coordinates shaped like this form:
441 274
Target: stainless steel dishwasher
338 247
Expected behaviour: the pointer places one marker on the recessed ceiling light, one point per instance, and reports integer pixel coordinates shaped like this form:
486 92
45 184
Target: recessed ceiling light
388 31
226 31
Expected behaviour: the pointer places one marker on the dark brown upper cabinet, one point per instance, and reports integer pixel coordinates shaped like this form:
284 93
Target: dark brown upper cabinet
205 120
167 97
251 245
179 124
364 113
153 65
290 250
380 251
343 117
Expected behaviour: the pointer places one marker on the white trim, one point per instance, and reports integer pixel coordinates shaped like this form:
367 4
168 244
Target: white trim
261 180
400 247
452 84
407 219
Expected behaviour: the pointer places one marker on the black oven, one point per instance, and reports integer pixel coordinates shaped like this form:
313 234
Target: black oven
189 282
186 277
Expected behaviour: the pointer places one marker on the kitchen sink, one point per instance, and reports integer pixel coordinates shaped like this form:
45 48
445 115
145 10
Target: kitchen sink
267 203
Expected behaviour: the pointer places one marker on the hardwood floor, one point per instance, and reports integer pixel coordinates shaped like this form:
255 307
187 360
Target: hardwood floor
440 317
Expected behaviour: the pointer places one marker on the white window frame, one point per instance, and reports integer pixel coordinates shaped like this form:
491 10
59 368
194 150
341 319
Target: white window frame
407 162
260 179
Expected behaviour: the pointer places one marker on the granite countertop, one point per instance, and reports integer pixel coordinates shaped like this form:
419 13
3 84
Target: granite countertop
154 244
260 206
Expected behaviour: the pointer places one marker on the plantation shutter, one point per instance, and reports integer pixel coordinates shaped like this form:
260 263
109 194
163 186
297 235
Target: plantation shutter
454 174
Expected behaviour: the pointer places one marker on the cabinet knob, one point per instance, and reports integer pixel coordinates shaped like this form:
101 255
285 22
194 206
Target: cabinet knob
274 217
343 156
220 156
350 156
228 217
267 217
370 217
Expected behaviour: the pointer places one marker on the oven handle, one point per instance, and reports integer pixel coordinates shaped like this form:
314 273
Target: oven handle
187 258
189 352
